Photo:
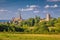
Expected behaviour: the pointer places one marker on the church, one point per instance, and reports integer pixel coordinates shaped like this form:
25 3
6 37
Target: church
47 18
19 19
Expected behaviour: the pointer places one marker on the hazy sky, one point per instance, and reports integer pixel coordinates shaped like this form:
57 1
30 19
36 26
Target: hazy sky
29 8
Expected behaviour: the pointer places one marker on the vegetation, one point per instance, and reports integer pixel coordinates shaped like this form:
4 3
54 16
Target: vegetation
15 36
32 25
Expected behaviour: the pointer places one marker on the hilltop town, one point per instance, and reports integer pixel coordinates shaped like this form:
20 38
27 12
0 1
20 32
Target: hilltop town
19 19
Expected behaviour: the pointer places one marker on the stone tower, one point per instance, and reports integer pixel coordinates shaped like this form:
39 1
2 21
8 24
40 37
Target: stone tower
17 19
20 16
48 17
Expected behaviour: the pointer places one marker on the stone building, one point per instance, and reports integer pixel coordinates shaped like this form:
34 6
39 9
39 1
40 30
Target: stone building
47 18
17 19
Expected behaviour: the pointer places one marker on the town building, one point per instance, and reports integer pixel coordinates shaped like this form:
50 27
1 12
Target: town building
47 18
17 19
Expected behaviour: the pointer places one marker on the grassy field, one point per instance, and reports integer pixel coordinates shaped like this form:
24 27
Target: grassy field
12 36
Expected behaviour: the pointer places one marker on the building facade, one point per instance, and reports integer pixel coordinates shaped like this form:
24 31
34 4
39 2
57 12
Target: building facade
48 17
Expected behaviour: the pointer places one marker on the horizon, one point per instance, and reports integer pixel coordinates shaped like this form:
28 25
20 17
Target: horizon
29 8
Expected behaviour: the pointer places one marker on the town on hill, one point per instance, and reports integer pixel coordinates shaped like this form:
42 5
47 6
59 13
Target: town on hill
32 25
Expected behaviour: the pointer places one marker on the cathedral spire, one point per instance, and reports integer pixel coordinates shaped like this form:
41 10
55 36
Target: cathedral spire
20 15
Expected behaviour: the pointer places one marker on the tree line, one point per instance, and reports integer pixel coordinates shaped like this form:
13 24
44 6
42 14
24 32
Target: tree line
32 25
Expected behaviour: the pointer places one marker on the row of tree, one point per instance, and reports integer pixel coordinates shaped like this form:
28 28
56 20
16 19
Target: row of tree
32 25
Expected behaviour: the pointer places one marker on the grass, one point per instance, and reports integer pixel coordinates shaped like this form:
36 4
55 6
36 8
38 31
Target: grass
12 36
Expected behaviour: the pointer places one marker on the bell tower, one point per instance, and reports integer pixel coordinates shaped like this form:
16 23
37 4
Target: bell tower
48 17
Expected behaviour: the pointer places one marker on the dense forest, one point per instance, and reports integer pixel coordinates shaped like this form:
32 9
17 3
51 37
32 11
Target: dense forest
32 25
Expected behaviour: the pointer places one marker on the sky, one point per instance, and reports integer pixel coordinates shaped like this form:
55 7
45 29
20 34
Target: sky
29 8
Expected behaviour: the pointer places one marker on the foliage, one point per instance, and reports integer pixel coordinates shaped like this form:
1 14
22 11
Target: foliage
32 25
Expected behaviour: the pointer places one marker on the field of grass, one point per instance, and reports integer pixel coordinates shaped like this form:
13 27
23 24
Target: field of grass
12 36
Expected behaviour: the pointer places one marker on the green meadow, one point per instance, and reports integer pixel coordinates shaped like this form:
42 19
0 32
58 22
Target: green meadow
14 36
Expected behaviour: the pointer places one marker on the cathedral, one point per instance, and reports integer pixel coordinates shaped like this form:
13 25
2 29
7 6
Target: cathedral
19 19
48 17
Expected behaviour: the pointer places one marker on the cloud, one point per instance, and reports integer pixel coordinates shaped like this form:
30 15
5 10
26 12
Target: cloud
32 6
53 0
29 8
5 14
47 6
36 11
26 9
54 6
4 11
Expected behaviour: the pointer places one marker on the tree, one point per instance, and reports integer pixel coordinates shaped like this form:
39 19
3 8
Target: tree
37 20
57 25
42 28
51 22
31 22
